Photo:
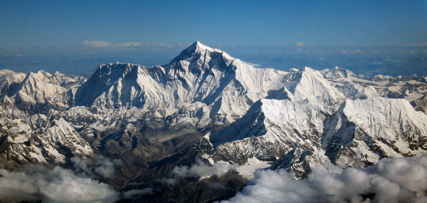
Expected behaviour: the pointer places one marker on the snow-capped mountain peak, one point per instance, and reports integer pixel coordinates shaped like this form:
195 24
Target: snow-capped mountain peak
201 54
338 72
199 78
199 47
370 129
6 100
309 84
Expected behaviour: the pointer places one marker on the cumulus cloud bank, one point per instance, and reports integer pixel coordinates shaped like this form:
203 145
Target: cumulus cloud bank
37 182
52 185
390 180
105 167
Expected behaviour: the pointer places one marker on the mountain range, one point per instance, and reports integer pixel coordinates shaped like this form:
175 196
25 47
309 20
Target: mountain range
206 111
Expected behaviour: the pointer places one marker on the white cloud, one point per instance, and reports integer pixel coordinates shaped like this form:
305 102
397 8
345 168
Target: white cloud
81 164
200 169
125 45
97 44
37 182
52 185
357 51
299 44
106 166
391 180
105 44
418 45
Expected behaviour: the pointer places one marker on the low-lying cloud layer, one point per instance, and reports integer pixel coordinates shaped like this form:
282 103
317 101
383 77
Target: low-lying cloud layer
203 170
199 170
105 167
390 180
52 185
37 182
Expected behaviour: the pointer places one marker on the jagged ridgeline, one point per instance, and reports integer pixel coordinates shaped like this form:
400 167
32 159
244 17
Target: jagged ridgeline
206 105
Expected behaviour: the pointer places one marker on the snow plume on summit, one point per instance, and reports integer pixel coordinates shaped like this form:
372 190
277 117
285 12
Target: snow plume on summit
390 180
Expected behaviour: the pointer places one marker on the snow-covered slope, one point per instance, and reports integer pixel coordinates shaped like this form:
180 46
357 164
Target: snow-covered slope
348 83
338 72
353 87
360 132
420 104
363 131
7 80
36 139
309 85
269 130
40 91
199 77
301 162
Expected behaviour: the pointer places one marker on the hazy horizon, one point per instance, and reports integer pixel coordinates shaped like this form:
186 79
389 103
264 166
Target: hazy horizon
367 37
82 60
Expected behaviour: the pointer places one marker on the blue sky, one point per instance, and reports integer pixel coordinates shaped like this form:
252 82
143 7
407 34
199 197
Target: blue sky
215 23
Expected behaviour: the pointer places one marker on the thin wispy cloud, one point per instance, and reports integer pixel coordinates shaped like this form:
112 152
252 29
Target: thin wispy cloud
418 45
133 193
357 51
106 44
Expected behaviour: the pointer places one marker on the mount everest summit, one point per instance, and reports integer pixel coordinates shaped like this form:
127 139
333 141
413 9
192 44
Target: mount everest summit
206 105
